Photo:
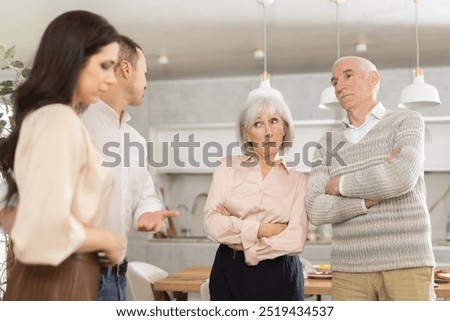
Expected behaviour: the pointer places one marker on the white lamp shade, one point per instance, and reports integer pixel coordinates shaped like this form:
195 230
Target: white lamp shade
328 99
265 89
419 94
265 2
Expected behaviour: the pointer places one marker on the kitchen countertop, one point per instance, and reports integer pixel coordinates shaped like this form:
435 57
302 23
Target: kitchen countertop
173 254
202 239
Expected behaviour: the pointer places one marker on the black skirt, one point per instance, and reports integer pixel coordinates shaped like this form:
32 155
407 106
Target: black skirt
231 279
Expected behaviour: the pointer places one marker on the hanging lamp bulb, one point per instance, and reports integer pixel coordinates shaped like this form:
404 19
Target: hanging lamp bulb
419 94
328 98
265 89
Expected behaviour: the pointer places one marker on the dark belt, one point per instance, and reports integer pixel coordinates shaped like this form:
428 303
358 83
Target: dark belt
118 269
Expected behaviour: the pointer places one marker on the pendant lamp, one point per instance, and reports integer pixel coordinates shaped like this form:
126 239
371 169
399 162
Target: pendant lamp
419 94
328 98
265 89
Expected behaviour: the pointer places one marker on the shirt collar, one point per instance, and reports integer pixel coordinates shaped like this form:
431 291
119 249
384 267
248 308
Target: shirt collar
377 112
111 113
278 160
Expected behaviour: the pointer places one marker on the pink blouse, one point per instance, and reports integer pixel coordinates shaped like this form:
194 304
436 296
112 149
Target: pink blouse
63 187
251 199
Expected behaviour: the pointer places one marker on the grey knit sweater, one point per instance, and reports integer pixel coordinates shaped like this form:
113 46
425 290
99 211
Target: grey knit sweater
396 232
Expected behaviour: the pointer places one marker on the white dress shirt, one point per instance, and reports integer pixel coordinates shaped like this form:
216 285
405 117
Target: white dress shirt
134 190
355 134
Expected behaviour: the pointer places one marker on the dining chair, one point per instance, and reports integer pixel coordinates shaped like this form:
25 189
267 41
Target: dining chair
307 267
140 277
204 291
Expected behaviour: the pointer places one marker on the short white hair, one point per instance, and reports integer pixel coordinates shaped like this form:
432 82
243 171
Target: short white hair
366 65
270 104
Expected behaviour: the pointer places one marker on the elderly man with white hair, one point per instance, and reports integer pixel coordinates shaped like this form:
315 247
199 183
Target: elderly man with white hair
373 194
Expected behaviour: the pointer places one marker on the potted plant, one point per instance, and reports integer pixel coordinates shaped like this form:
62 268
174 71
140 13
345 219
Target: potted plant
7 86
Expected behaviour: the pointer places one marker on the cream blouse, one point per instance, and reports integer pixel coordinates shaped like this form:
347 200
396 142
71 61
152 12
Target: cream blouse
251 199
62 186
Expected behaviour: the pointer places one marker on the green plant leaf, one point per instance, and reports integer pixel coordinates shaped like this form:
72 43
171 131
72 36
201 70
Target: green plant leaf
7 87
17 64
11 121
25 72
6 91
9 54
7 83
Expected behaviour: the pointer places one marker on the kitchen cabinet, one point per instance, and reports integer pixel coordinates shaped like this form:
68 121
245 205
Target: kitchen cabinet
197 148
437 147
190 148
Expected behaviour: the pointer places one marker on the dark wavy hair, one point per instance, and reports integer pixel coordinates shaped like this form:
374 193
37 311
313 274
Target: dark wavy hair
66 45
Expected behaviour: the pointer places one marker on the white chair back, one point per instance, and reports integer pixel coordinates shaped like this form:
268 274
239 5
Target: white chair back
140 276
204 291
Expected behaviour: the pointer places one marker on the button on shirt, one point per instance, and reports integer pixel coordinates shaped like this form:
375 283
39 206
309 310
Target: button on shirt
279 197
125 152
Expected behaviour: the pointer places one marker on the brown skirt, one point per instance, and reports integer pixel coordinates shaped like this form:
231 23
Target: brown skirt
75 279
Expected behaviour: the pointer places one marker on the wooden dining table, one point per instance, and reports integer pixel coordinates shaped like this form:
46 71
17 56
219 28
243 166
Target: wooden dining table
191 278
180 283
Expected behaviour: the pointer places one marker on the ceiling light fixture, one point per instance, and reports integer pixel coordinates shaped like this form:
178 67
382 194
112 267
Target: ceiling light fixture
419 94
328 98
163 59
264 88
258 53
361 48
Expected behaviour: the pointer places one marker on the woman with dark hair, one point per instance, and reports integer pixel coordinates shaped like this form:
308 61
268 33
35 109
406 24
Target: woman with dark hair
256 210
54 171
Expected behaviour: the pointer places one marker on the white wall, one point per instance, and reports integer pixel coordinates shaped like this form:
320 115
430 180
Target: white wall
217 100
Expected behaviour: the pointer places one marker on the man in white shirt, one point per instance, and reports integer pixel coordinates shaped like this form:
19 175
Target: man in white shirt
134 197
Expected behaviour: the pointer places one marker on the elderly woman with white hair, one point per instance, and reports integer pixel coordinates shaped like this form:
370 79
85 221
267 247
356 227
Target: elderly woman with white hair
256 210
